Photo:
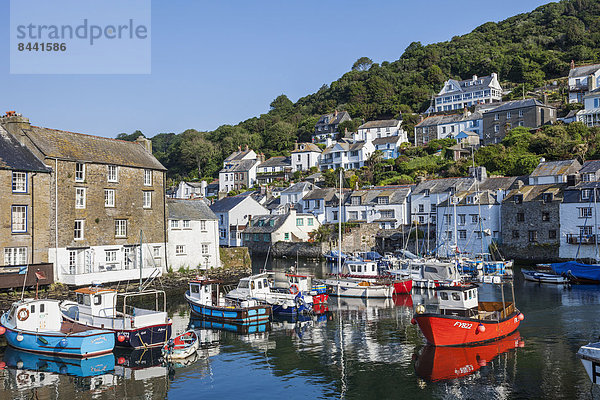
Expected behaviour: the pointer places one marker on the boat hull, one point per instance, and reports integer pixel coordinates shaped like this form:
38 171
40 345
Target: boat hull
86 344
541 277
352 289
242 329
447 330
403 287
149 336
242 315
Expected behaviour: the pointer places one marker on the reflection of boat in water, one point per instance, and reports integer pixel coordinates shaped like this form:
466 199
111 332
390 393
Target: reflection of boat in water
29 370
243 329
403 300
357 303
140 364
443 363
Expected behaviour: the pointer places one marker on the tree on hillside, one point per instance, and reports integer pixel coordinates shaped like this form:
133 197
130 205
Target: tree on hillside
362 64
131 137
351 126
196 149
281 105
280 136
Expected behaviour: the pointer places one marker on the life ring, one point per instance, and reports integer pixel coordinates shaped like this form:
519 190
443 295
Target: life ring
294 286
23 314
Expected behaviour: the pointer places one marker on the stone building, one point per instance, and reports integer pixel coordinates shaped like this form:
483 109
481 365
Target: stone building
529 113
105 197
531 222
24 204
326 128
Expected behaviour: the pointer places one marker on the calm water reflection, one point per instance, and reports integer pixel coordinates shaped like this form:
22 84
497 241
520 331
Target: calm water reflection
361 349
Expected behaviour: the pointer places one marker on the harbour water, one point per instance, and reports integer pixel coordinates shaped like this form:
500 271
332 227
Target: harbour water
359 350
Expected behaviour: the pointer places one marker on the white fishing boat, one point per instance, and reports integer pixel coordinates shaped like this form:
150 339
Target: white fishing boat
543 277
429 273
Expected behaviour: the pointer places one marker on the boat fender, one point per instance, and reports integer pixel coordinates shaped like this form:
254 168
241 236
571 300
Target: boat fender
121 338
481 328
294 288
413 321
420 309
520 317
2 330
63 342
121 360
23 314
20 338
2 365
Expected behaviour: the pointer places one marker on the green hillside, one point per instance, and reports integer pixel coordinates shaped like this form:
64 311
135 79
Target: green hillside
525 50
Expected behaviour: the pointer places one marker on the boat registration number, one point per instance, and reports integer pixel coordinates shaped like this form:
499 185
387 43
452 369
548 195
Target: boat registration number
463 325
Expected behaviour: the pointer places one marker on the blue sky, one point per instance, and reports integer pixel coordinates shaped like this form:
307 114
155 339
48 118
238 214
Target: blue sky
221 62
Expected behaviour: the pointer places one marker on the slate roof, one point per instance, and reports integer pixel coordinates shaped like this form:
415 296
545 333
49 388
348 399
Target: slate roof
386 140
15 156
486 197
299 187
332 119
448 119
369 196
535 192
189 209
94 149
553 168
444 185
380 124
194 184
590 166
515 104
583 70
237 155
498 182
317 194
227 203
346 146
465 87
280 161
240 166
307 147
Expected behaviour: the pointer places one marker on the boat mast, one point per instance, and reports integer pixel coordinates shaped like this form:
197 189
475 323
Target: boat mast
340 228
595 222
141 260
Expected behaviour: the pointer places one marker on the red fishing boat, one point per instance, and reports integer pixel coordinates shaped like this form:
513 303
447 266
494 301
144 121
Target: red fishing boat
442 363
464 320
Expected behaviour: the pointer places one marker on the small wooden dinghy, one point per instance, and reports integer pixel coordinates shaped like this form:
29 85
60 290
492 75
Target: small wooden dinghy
181 346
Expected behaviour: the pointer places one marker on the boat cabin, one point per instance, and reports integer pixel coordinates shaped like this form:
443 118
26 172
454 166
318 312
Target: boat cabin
36 315
460 300
364 268
255 284
205 291
302 282
96 301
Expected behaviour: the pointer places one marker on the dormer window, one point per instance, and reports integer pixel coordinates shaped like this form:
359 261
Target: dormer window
547 197
585 194
355 200
426 192
518 199
383 200
470 199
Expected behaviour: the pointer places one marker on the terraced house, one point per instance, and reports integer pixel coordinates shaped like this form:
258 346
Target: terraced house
24 205
105 196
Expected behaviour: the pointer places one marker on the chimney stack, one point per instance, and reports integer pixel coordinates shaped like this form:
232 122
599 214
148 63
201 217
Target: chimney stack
572 64
15 124
146 143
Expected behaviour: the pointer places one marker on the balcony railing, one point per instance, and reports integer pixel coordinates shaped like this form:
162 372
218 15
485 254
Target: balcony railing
581 239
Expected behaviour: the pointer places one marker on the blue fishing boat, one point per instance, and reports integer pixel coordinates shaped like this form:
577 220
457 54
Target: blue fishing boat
206 301
181 346
37 325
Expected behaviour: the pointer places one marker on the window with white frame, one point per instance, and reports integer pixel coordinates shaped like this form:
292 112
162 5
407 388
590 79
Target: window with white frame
174 224
585 212
78 229
387 213
462 234
147 177
112 174
120 228
186 224
15 255
18 219
156 251
179 249
109 197
19 182
204 248
147 199
79 172
383 200
110 256
79 197
520 113
202 225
